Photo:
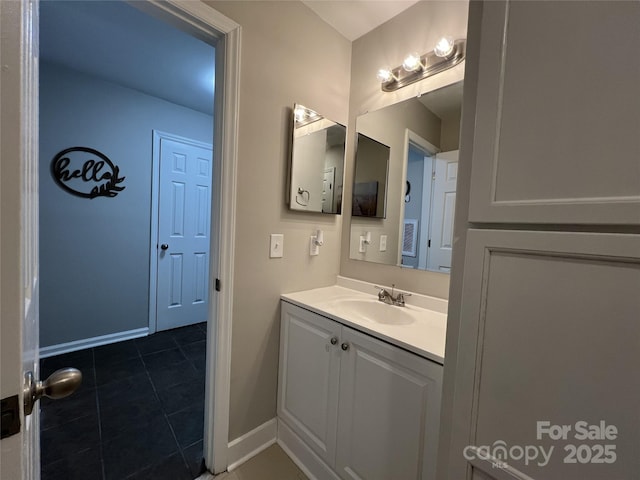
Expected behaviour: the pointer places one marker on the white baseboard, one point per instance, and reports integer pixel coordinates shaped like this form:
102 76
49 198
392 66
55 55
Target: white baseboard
252 443
52 350
306 459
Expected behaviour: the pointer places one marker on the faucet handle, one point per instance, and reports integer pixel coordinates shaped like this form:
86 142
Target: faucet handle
400 298
382 293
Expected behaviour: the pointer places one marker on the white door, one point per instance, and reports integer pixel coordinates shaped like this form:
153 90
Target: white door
443 208
308 378
20 452
389 411
327 189
183 232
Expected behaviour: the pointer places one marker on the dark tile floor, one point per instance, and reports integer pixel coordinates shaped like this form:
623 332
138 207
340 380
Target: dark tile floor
139 413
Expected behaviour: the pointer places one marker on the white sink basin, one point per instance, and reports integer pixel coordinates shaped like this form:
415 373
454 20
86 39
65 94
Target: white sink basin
373 310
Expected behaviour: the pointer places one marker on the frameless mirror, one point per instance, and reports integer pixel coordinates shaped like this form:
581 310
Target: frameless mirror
422 135
317 162
370 178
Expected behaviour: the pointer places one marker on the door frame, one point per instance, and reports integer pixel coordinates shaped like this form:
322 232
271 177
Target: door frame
158 136
411 137
205 23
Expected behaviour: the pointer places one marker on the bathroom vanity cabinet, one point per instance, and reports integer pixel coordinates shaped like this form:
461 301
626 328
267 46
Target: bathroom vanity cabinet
367 409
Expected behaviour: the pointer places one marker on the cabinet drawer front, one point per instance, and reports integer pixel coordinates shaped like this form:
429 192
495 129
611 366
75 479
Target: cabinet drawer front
556 135
388 413
308 378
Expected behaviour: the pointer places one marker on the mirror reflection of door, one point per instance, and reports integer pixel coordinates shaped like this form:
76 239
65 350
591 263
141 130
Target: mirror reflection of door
427 229
415 228
328 189
442 212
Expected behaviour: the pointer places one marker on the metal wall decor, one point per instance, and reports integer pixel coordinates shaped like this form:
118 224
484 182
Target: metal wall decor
86 173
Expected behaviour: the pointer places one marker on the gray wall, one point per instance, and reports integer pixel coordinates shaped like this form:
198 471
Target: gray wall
94 254
415 29
289 56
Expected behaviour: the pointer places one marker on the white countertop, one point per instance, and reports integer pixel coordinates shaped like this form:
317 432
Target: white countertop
424 336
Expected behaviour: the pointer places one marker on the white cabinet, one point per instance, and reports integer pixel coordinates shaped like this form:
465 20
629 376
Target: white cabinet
557 114
308 378
367 409
558 315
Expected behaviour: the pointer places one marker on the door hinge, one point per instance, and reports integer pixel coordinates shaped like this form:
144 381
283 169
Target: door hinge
10 416
429 243
217 284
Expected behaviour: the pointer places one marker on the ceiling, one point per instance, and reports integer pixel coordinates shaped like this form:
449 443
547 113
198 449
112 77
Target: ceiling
118 43
354 18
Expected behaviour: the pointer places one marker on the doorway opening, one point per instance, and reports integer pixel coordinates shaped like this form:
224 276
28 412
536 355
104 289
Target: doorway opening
140 410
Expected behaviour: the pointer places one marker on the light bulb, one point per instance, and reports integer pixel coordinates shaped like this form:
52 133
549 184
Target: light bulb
384 75
299 114
412 62
444 47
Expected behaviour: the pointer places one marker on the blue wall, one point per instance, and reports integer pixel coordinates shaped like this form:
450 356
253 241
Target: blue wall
94 253
413 208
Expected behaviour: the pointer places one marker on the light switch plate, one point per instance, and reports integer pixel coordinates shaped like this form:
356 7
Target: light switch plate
383 243
276 248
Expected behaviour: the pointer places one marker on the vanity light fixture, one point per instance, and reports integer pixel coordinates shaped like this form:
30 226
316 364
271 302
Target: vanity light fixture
447 54
304 116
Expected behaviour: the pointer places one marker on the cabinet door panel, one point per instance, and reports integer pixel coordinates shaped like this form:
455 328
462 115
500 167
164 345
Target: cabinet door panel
558 114
550 326
308 378
389 411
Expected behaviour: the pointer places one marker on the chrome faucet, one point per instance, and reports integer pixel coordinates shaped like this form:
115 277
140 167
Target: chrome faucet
389 298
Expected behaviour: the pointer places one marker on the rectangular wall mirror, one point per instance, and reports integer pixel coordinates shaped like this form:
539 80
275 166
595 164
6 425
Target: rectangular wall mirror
317 162
422 135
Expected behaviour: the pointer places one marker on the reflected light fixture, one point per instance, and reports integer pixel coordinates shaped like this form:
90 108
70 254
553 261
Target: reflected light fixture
304 116
446 54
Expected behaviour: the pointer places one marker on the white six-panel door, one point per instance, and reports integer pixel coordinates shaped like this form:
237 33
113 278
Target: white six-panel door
443 208
183 232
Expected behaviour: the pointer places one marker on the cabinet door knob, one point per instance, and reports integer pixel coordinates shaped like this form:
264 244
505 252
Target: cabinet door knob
344 346
334 340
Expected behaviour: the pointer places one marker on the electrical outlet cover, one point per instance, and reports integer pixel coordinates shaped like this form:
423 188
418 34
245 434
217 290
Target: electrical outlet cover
383 243
314 249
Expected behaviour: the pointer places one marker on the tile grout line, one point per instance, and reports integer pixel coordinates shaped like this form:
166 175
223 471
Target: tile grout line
164 414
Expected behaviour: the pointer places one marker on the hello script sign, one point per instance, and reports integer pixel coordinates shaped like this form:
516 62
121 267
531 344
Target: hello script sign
87 173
